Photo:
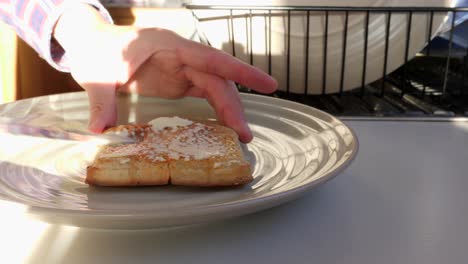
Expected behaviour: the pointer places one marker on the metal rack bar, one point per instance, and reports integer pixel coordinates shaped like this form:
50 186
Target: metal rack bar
343 53
447 67
387 37
407 46
429 32
428 48
288 65
325 52
364 62
464 72
306 66
251 37
233 42
269 42
330 8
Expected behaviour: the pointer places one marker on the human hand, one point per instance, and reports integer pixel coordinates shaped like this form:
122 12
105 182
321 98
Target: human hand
105 58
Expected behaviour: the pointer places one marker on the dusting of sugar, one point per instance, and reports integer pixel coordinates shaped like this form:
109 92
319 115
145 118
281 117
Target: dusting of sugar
158 158
196 143
161 123
174 155
122 132
225 163
123 151
190 142
124 161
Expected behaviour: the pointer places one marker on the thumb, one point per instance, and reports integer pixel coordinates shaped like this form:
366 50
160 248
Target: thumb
102 106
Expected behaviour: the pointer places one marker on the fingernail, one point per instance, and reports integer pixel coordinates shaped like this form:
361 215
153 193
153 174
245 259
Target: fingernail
247 134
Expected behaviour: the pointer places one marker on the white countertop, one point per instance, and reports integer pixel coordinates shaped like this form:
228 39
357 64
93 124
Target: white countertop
403 200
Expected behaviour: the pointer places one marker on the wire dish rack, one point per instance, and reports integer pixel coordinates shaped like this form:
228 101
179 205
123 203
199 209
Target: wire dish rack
433 83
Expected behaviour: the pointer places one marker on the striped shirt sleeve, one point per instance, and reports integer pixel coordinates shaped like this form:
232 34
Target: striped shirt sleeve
34 20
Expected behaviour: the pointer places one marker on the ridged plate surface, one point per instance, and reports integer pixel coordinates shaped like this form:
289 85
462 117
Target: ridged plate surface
295 149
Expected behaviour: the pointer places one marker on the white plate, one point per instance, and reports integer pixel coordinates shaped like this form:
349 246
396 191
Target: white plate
217 31
296 148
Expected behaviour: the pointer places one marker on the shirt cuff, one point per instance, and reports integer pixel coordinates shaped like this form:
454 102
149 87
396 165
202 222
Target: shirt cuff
52 52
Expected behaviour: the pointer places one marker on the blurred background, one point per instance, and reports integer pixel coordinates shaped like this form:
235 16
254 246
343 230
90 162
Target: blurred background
349 58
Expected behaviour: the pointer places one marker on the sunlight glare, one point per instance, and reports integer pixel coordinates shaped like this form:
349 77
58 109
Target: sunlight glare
462 124
61 243
132 111
20 234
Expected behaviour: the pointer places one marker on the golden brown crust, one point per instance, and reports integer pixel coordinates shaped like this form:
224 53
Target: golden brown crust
200 154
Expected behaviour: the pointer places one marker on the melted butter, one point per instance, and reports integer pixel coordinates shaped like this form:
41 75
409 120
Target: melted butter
121 132
161 123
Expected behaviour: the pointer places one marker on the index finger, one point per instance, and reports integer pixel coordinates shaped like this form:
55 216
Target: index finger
214 61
